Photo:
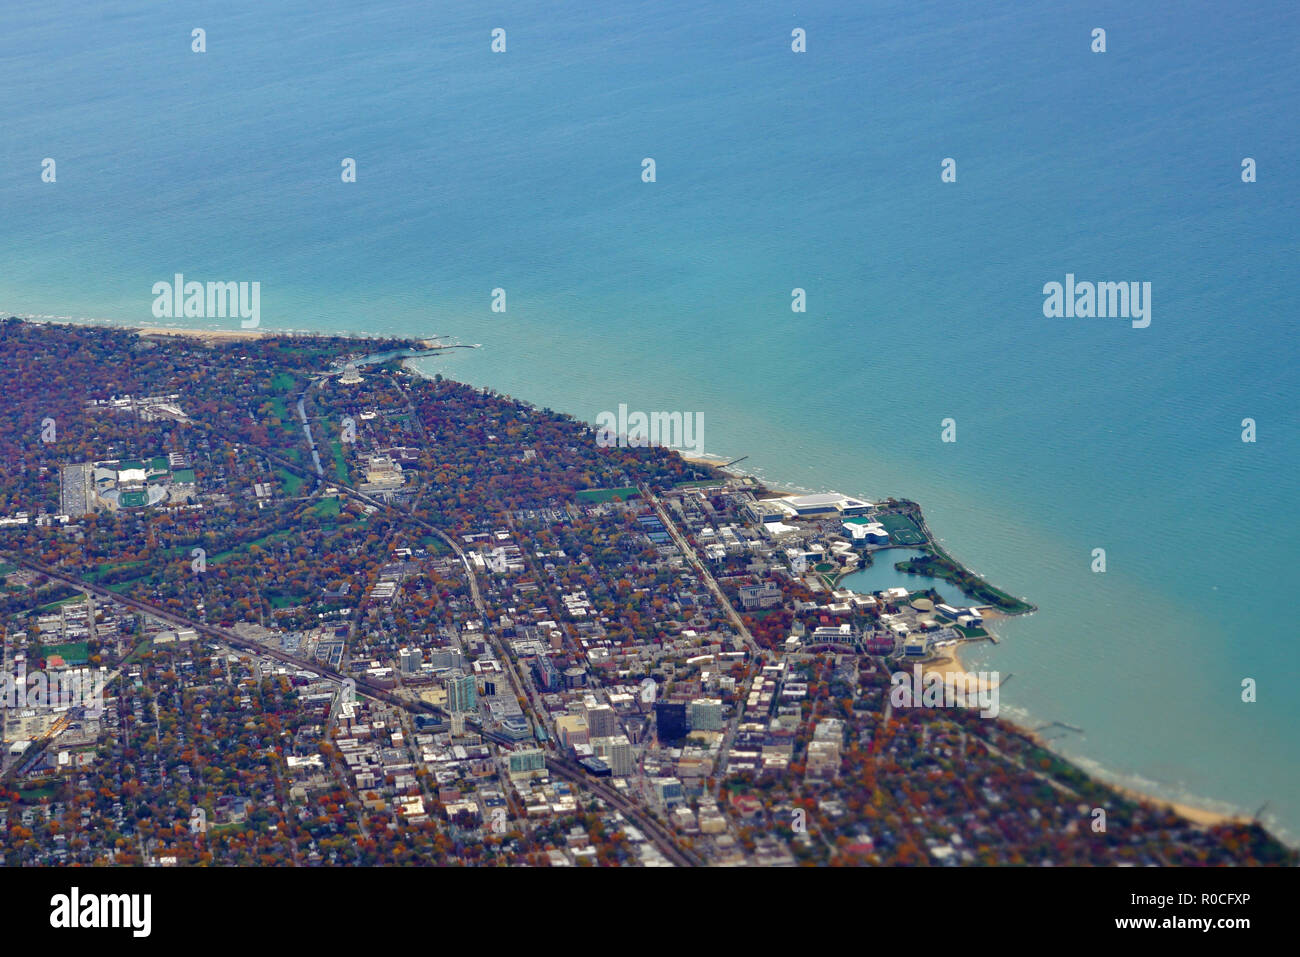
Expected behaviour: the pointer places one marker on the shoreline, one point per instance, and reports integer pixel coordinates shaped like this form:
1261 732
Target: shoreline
208 333
717 461
427 345
191 332
950 664
1198 816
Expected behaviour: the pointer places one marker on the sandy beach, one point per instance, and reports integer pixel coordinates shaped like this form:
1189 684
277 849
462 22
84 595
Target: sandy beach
949 666
209 334
213 334
714 461
430 345
1196 815
717 461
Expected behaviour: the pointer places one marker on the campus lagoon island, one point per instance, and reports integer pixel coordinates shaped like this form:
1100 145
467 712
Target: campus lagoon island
880 557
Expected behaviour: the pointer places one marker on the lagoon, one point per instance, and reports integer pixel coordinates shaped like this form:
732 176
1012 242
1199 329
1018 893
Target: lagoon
882 575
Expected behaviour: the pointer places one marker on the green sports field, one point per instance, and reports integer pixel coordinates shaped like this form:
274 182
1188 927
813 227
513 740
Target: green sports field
902 530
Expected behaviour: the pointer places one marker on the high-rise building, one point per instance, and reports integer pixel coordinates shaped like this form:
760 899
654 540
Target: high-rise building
616 751
445 658
601 721
547 676
462 692
635 729
706 714
823 759
409 660
670 720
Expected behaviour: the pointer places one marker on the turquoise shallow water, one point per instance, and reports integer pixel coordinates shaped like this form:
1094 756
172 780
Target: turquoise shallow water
774 171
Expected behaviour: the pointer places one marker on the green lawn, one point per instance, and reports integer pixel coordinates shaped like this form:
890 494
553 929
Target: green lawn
435 545
222 556
598 495
103 570
327 506
283 382
290 482
340 463
63 601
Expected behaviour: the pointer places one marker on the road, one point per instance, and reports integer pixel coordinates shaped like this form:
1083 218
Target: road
733 725
689 554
